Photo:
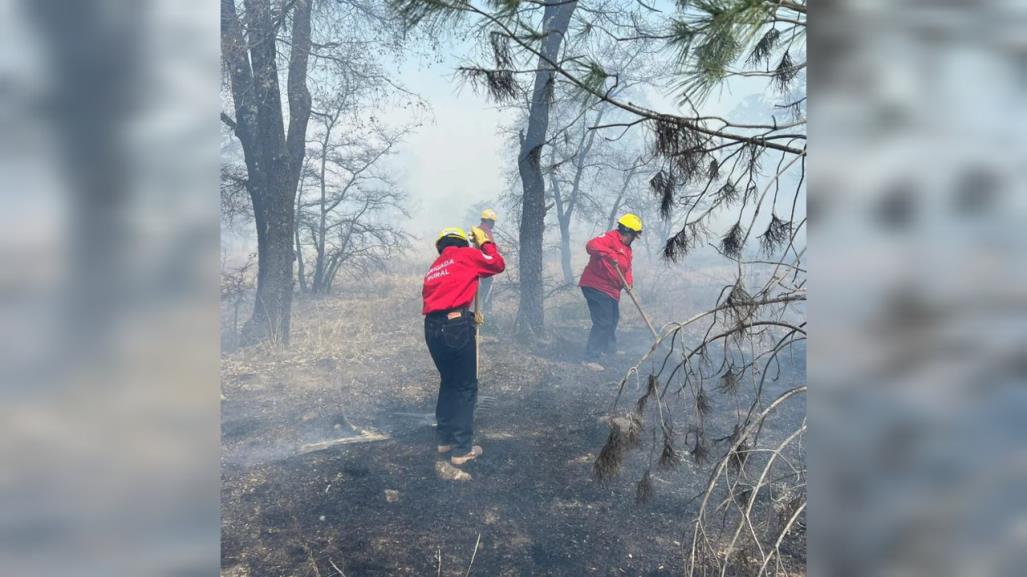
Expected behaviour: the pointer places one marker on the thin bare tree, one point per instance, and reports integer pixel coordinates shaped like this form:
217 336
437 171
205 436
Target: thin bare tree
349 203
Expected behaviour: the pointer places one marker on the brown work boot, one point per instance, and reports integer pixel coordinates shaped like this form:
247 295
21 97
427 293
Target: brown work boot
476 452
444 448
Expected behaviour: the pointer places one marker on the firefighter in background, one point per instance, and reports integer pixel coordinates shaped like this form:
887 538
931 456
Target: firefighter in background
488 223
601 285
449 331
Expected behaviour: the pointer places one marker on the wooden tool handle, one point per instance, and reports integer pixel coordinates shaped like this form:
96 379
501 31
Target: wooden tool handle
631 293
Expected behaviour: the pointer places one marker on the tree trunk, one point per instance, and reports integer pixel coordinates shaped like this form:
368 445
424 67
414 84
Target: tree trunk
319 266
563 217
332 272
235 323
341 255
271 311
300 272
567 212
612 217
565 251
320 282
531 316
273 159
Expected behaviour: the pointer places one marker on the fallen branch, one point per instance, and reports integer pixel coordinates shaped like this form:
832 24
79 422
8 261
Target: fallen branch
363 437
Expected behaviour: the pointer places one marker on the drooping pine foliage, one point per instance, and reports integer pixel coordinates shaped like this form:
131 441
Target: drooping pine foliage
731 243
763 49
713 41
785 72
663 185
713 36
777 233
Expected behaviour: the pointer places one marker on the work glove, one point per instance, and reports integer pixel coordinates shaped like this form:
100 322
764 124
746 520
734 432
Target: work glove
480 236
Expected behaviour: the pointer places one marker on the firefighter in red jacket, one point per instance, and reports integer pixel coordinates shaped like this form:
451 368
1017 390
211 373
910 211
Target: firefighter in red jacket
449 331
601 284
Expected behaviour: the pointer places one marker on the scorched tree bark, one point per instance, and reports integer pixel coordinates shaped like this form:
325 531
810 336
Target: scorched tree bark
555 21
273 157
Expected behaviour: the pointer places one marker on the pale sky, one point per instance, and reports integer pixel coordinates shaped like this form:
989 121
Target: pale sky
456 159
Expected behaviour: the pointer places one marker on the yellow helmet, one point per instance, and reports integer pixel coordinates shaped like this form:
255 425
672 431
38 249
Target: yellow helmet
489 214
631 222
453 232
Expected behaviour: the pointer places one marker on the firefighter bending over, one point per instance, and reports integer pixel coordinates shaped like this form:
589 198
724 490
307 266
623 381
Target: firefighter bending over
449 331
601 285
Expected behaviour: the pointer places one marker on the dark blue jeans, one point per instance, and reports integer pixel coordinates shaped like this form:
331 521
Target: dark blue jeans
605 312
451 344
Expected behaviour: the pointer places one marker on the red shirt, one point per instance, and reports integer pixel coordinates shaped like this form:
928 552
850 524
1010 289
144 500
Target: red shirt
599 273
452 280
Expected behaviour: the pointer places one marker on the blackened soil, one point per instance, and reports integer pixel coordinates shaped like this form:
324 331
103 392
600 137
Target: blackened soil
532 500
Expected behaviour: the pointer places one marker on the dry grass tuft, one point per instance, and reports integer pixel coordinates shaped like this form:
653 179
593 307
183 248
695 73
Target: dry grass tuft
644 489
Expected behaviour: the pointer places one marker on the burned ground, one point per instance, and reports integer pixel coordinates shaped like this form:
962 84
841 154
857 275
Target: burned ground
379 506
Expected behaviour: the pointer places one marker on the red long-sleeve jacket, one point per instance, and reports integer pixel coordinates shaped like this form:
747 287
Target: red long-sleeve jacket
452 280
599 273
